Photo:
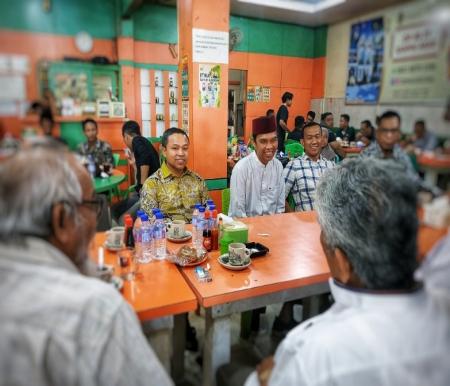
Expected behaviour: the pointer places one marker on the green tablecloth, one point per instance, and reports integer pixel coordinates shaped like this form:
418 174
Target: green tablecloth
107 184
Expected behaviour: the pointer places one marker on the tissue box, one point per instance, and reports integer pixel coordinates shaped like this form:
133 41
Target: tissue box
236 231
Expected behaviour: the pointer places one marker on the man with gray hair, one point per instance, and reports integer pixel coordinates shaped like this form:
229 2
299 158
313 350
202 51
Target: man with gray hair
384 328
57 326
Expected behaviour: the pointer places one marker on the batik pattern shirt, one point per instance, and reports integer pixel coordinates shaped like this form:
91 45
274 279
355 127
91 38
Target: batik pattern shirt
101 152
175 196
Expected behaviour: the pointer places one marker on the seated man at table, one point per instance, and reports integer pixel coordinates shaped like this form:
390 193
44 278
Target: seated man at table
143 158
386 146
366 133
345 132
174 188
327 151
297 133
327 121
384 328
424 139
256 186
302 174
58 326
100 150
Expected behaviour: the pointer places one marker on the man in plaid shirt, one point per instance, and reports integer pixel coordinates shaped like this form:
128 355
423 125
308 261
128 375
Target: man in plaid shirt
302 174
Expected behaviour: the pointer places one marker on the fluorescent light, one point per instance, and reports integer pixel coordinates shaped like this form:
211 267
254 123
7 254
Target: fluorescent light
296 6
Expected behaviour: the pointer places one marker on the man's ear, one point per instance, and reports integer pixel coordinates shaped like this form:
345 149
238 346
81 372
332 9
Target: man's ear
345 270
60 218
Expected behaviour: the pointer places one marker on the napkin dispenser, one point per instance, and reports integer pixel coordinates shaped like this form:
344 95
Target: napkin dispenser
236 231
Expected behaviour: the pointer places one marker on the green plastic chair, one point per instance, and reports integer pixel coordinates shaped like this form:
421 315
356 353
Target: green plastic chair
225 200
295 149
116 158
290 141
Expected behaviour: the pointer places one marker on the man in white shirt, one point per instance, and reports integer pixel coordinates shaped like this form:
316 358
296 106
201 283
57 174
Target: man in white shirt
257 185
58 326
384 328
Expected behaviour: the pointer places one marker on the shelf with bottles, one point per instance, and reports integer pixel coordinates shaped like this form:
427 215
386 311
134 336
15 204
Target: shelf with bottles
158 79
173 79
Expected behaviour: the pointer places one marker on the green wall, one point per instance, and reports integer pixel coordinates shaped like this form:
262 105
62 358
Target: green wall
156 23
66 17
268 37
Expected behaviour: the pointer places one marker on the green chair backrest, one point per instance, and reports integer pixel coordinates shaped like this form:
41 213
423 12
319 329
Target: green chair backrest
225 200
116 158
295 149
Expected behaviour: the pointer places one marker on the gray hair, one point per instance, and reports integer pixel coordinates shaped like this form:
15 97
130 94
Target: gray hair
367 209
31 182
324 131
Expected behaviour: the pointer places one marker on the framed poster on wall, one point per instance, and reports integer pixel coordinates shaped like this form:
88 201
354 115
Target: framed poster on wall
365 62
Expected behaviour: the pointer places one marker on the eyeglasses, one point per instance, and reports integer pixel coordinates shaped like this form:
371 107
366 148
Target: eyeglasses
94 204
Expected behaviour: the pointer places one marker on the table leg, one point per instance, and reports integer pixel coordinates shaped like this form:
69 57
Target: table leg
179 345
431 177
217 347
159 335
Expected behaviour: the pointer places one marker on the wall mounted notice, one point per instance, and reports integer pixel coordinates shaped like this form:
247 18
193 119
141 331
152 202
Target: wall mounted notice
209 84
209 46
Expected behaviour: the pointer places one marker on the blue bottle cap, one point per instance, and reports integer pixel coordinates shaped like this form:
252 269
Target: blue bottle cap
210 202
144 217
201 209
155 210
198 205
212 207
140 212
159 215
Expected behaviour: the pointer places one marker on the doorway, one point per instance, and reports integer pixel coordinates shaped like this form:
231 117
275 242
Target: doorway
237 86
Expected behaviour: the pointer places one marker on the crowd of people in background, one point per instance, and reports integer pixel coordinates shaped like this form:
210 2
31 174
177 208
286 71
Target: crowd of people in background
268 181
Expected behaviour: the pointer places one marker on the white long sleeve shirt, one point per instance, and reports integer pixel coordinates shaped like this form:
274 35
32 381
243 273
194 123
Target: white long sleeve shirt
256 189
58 327
368 339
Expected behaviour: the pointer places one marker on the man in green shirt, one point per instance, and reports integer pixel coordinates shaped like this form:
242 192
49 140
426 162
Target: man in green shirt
174 188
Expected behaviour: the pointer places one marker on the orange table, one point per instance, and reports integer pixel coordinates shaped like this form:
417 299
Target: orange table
433 165
352 151
160 296
294 268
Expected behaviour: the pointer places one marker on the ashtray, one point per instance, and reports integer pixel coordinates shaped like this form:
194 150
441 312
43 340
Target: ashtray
256 249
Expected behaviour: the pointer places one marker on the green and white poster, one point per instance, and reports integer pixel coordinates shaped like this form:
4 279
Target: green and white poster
209 85
416 54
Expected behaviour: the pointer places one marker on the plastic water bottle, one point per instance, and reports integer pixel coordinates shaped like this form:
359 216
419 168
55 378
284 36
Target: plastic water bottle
153 218
194 222
147 240
138 234
159 236
91 166
200 225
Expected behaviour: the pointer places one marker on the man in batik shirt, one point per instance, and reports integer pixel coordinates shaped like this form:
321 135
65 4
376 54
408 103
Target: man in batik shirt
174 188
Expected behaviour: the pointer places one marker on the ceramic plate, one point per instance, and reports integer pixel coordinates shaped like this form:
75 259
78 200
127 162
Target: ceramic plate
232 267
196 262
187 236
114 248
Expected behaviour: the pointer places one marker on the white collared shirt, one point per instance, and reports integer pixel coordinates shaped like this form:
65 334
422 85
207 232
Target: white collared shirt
58 327
368 339
256 189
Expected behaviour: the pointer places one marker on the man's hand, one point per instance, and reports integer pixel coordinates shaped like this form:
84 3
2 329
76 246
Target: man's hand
264 369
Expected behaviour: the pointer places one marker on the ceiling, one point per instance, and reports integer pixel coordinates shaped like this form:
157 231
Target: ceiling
340 12
344 10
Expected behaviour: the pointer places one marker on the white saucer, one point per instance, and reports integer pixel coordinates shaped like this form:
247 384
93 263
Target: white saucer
230 266
187 236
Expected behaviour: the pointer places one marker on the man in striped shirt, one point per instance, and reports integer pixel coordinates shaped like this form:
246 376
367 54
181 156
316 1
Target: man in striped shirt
302 174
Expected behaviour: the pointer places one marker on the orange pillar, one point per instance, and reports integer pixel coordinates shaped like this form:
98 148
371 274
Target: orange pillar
207 125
